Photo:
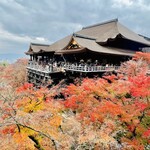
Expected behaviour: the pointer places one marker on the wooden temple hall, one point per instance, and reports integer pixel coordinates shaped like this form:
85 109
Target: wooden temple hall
93 50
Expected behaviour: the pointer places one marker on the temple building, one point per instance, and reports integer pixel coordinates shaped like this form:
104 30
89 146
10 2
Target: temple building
94 49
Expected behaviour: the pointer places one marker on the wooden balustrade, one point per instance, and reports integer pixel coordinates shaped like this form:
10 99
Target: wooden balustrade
90 68
70 67
42 68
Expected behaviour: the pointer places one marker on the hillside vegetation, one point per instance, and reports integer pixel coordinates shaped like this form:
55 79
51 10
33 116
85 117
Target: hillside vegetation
111 113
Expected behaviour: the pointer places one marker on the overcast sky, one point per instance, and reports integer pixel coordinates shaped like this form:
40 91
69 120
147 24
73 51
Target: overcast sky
46 21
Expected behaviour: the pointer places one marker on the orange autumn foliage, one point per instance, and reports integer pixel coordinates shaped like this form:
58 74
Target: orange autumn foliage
112 112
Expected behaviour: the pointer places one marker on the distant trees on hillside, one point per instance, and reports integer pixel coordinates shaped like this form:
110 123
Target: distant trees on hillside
13 75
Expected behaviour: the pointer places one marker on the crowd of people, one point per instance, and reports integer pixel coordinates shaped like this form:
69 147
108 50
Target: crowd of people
53 66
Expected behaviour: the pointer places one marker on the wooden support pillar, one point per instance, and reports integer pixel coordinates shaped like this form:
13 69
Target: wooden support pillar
30 57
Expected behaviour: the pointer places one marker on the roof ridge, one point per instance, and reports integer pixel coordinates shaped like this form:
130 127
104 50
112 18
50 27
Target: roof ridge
84 36
38 44
145 37
109 21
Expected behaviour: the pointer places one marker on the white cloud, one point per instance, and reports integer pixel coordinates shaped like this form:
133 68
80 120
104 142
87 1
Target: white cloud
143 6
12 4
121 3
135 4
5 35
40 39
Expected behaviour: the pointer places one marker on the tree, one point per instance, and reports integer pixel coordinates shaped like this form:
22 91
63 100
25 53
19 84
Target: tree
14 75
112 112
118 109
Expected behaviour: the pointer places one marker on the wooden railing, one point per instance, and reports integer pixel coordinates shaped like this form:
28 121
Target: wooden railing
70 67
42 68
90 68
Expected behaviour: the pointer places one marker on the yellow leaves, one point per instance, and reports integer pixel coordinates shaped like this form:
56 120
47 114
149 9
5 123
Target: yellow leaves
23 134
34 100
27 131
20 137
33 105
56 121
23 142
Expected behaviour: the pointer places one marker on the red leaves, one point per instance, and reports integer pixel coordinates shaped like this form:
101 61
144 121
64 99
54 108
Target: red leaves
110 77
141 105
110 108
96 117
93 117
145 56
131 127
71 102
124 101
147 133
140 86
71 89
25 87
8 130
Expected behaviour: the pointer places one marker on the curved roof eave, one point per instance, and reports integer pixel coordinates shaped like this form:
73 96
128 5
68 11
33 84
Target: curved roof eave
91 45
130 35
95 47
59 45
37 48
122 31
104 41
